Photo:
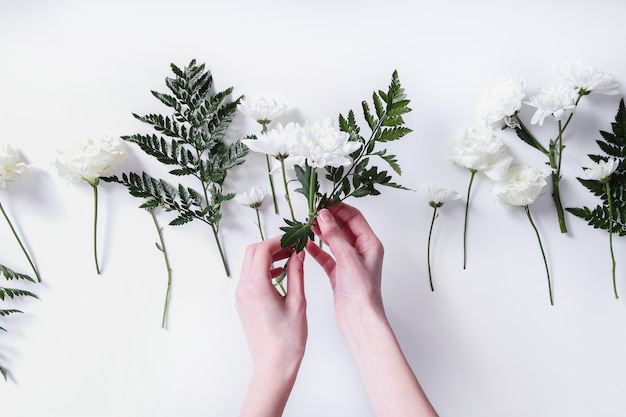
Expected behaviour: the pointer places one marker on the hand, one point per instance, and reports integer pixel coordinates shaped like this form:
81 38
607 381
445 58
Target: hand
355 275
355 271
275 326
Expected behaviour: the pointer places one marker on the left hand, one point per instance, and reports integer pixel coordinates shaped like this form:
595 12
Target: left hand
275 326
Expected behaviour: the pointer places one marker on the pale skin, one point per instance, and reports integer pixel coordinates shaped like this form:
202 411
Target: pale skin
354 269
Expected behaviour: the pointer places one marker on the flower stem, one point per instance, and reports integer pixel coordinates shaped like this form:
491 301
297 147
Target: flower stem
269 176
555 157
543 254
287 197
95 226
219 247
467 201
608 196
161 247
432 223
258 220
19 241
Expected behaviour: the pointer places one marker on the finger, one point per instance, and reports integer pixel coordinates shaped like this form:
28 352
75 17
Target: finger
334 236
352 218
323 259
295 276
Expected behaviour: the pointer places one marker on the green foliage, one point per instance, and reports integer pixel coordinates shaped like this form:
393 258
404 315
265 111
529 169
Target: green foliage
386 124
612 145
362 178
12 293
192 141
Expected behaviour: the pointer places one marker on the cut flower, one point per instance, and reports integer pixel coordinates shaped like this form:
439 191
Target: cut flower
262 109
587 78
11 165
322 144
483 151
501 100
552 101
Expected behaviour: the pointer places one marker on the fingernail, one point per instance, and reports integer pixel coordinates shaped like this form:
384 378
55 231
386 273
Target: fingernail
324 215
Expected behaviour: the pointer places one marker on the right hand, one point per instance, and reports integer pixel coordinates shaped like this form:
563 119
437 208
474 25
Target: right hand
355 269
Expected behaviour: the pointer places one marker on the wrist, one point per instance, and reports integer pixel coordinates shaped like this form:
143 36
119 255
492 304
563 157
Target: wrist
362 323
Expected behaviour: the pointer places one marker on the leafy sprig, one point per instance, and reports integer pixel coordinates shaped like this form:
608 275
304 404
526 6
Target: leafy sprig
192 141
6 292
361 178
610 214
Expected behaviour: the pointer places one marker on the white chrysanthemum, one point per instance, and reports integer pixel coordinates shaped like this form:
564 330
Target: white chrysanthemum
587 78
521 186
552 101
11 165
278 142
437 195
91 159
501 100
601 170
324 145
262 109
252 198
483 151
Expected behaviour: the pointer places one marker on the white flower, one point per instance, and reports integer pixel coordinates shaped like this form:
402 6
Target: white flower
437 195
278 142
521 186
252 198
91 159
601 170
481 150
587 78
501 100
262 109
324 145
552 101
11 165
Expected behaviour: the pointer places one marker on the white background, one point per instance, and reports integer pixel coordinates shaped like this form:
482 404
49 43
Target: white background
485 343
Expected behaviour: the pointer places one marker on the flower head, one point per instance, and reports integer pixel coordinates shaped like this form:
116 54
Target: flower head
262 109
278 142
521 186
587 78
91 159
11 165
437 195
552 101
601 170
481 150
252 198
501 100
324 145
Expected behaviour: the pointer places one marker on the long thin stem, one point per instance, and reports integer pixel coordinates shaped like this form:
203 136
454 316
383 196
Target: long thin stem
610 202
161 247
269 176
467 201
258 222
555 157
287 197
219 247
95 225
543 254
19 241
432 223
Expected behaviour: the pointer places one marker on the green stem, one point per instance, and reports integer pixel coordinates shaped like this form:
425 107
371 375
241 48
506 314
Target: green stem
219 247
467 201
555 157
258 220
287 197
608 196
19 241
432 223
269 175
162 248
534 142
95 225
543 254
268 162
